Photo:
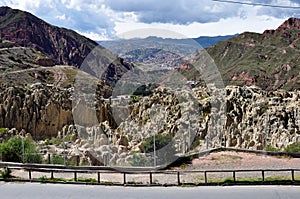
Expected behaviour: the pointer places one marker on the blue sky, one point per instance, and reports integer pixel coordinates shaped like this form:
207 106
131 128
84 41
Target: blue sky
106 19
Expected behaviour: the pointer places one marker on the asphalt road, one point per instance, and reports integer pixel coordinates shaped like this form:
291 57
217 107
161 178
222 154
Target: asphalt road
53 191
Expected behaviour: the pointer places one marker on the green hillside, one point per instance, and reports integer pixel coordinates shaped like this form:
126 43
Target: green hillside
270 60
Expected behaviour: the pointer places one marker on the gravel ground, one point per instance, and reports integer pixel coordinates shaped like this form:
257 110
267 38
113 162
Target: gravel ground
228 160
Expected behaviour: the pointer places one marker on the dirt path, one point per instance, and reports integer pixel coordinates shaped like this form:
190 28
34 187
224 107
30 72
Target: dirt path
239 160
59 76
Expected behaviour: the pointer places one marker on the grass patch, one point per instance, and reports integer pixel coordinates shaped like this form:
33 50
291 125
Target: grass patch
187 185
87 180
134 183
71 75
250 181
293 148
44 179
271 148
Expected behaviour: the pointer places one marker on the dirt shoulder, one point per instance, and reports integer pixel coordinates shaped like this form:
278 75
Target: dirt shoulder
240 160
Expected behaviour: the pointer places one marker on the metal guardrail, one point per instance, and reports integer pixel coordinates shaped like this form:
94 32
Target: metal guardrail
149 171
55 169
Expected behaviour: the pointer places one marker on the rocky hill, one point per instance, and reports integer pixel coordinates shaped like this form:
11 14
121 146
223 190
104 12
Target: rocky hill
27 41
269 60
63 46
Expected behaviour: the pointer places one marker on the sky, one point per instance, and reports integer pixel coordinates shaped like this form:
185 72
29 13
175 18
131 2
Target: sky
110 19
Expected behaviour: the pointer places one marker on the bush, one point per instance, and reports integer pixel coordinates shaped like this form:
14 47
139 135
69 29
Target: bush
293 148
57 159
161 141
5 173
139 159
3 131
53 141
11 150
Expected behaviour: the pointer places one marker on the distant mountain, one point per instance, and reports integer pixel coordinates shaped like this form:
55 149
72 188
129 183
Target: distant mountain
270 60
206 42
160 51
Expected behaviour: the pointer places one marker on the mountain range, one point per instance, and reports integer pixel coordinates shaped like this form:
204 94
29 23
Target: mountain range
154 50
269 60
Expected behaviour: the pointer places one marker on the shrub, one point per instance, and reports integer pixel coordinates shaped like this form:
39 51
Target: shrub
138 159
5 173
57 159
53 141
12 150
3 131
161 141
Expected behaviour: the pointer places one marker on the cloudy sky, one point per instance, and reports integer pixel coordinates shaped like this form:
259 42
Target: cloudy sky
106 19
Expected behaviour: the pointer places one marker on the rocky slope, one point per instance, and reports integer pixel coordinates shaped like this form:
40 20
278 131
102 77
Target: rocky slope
64 46
43 109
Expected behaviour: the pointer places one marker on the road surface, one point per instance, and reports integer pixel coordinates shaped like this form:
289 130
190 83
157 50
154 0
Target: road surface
58 191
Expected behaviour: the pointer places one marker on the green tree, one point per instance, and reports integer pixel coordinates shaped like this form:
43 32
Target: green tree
164 147
12 150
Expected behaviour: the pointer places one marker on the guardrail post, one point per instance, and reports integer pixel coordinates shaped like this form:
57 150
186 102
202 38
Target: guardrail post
293 175
233 175
52 175
29 174
124 178
75 176
178 177
263 175
99 178
205 177
151 178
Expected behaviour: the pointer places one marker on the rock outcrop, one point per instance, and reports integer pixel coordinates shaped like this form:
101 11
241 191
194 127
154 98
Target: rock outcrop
244 117
43 110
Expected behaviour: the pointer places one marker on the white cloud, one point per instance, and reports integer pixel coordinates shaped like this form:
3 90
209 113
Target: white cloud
61 17
105 18
233 26
89 16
